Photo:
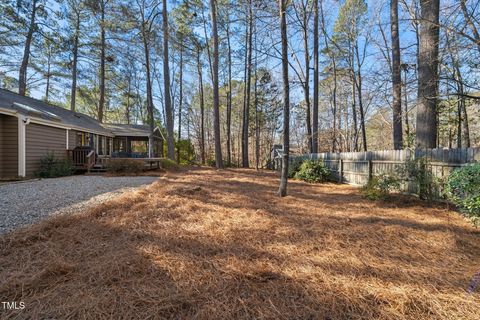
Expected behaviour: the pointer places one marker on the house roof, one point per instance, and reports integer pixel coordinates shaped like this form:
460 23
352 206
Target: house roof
132 130
39 109
55 115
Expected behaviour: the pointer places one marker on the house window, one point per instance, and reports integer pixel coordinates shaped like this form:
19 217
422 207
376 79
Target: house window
82 139
79 139
139 146
119 145
88 140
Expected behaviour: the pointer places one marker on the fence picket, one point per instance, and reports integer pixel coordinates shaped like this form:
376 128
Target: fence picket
356 167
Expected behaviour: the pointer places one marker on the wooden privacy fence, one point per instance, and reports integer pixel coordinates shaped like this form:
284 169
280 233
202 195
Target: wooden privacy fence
357 167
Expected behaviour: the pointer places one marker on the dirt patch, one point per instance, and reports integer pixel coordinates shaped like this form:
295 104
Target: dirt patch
211 244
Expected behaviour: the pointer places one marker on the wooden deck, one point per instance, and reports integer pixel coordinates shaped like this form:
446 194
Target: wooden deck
151 163
88 160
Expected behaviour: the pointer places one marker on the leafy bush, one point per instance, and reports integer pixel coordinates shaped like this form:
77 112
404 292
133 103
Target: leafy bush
463 189
229 165
186 151
125 166
168 164
294 166
213 163
52 166
312 171
418 171
379 187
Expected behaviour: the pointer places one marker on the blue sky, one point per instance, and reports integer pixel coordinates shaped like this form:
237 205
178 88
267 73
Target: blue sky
372 60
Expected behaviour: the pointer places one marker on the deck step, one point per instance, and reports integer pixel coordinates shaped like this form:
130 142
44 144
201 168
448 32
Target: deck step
98 168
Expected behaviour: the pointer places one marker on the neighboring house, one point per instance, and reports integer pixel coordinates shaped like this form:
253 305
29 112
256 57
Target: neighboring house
30 129
276 156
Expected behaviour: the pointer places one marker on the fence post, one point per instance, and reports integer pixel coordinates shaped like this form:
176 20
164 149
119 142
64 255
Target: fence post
370 170
340 171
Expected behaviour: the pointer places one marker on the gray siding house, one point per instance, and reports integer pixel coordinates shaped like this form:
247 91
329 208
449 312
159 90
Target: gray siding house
30 129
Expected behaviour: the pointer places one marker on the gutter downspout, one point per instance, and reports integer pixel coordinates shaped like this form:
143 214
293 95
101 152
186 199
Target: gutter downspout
22 123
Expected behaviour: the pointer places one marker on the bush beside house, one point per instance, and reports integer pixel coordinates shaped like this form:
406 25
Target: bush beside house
125 166
52 166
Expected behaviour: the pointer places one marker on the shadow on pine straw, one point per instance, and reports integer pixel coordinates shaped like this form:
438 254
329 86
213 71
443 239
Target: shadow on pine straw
212 244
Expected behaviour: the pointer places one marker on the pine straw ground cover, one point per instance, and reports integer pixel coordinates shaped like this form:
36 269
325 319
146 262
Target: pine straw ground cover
208 244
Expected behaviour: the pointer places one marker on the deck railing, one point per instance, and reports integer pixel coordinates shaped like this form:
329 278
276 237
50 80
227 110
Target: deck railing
91 160
82 158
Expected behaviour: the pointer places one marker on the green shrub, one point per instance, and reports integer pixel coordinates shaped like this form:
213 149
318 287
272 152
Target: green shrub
463 189
52 166
379 187
229 165
312 171
125 166
211 162
186 151
294 166
418 171
168 164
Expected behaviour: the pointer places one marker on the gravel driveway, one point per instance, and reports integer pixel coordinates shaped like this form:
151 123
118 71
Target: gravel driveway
27 202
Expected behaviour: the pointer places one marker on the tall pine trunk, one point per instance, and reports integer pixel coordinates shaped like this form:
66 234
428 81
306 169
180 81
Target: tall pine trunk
335 84
407 121
396 78
334 102
180 103
246 112
151 119
129 93
166 84
354 112
428 74
22 77
282 191
245 66
101 102
216 95
202 107
73 89
207 44
48 74
359 83
255 103
307 79
315 79
463 127
229 99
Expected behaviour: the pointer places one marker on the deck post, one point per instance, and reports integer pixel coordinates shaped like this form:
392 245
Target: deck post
370 170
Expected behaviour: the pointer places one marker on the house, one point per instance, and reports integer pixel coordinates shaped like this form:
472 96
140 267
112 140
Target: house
131 140
276 157
30 129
